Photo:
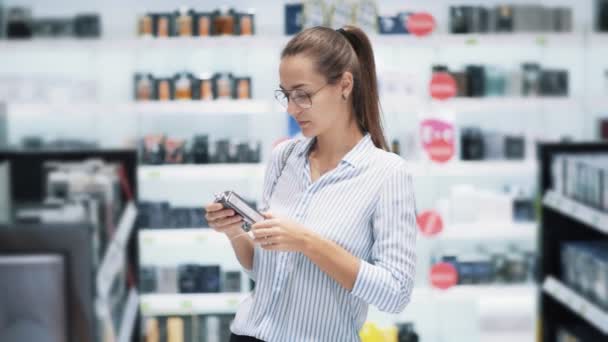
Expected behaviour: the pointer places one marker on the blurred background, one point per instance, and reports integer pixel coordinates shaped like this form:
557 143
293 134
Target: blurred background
119 120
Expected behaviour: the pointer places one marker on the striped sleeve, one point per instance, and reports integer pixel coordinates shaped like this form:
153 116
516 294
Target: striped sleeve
270 176
387 279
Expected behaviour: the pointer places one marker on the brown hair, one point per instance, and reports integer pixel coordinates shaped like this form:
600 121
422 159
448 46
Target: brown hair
335 52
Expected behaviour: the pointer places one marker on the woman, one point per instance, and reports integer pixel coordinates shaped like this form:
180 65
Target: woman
341 234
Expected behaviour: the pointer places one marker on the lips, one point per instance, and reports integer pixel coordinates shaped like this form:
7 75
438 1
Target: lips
302 123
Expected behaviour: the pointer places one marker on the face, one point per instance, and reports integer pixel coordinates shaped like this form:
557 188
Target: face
327 109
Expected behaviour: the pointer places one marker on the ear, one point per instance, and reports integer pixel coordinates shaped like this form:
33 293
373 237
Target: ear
346 84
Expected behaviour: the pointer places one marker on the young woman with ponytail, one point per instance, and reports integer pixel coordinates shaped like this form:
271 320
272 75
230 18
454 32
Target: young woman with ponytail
340 224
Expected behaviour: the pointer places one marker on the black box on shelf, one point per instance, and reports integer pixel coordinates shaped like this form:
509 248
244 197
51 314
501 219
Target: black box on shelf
515 147
87 26
480 21
199 153
231 281
19 23
531 79
472 145
147 279
554 83
603 129
191 278
212 279
562 19
502 18
601 10
294 18
53 27
460 19
476 78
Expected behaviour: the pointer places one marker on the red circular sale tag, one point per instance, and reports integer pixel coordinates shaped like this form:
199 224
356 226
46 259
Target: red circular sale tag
437 139
443 86
420 24
430 223
444 275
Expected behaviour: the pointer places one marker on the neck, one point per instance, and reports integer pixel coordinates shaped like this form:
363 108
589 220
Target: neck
333 145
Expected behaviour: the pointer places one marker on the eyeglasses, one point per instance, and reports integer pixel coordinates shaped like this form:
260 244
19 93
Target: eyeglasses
299 97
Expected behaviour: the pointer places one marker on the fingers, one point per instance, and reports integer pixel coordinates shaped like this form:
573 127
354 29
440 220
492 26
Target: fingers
268 215
219 214
213 207
269 223
228 221
265 233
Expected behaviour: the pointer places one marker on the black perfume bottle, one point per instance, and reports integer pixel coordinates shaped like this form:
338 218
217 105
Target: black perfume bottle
406 332
472 144
199 154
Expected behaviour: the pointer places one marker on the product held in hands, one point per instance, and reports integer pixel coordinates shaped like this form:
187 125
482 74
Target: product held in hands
230 200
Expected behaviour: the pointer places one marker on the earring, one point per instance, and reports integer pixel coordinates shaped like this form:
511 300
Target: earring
343 97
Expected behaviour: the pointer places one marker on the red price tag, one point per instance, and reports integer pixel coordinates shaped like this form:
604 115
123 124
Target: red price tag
444 275
420 24
437 140
430 223
443 86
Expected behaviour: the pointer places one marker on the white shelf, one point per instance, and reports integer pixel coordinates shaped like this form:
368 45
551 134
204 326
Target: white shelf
568 207
599 40
575 302
484 167
172 236
191 304
223 107
203 107
434 41
198 172
489 231
511 104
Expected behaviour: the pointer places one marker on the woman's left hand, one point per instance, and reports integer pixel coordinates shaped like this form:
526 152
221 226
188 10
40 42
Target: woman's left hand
280 234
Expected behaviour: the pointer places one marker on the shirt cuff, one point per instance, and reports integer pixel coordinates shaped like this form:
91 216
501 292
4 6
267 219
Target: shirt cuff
366 278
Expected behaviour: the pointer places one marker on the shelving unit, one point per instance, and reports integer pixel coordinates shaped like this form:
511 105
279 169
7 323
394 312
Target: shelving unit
565 220
190 304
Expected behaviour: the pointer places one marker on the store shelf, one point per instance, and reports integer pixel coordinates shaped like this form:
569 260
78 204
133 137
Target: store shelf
199 172
223 107
434 41
204 107
575 302
598 40
483 167
511 104
571 208
172 236
484 231
189 304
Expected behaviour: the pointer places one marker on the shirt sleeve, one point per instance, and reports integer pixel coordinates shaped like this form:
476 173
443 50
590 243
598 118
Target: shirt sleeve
270 177
387 279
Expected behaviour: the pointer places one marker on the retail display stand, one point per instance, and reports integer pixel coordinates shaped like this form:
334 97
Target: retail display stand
565 220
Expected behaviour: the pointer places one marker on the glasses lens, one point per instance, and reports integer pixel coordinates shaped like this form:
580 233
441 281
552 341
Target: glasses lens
281 97
301 98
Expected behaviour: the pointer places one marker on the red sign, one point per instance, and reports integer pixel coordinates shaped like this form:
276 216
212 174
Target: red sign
420 24
444 275
443 86
437 139
430 223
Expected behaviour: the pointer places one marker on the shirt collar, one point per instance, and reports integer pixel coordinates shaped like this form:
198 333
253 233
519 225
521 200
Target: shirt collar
354 157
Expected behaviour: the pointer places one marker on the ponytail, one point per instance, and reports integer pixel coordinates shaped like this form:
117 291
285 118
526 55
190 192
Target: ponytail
333 55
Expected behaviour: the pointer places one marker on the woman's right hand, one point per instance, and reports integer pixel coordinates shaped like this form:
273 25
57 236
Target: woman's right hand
223 220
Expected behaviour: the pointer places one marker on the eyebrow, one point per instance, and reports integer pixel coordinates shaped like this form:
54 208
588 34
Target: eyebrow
294 87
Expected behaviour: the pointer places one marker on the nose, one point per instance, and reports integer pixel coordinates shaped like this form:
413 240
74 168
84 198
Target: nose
293 109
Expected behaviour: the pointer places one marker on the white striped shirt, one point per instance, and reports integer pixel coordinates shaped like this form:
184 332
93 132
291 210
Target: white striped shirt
366 205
